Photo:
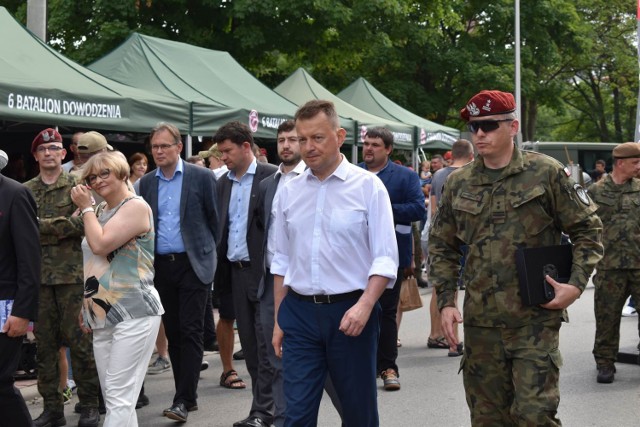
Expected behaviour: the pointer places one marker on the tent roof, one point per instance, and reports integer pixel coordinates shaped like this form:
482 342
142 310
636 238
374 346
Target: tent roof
300 87
364 95
39 85
220 88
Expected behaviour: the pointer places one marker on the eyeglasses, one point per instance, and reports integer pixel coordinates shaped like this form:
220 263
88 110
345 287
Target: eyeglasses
91 179
485 125
52 149
162 146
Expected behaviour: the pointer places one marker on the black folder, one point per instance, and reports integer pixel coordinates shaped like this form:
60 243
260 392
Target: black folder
533 264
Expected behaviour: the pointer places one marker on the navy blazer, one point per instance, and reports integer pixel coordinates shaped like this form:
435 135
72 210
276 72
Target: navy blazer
256 224
20 248
407 203
198 216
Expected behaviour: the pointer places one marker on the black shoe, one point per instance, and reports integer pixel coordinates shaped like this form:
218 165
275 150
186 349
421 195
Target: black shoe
204 365
423 283
251 422
101 408
143 400
238 355
191 408
89 417
212 347
606 374
50 418
177 412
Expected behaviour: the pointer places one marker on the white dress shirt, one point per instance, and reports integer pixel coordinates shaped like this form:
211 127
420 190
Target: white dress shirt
271 235
332 235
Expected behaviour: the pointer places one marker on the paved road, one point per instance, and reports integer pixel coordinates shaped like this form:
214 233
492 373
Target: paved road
432 393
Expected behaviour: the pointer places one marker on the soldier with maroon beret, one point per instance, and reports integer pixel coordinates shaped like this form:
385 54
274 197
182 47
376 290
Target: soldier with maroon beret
504 200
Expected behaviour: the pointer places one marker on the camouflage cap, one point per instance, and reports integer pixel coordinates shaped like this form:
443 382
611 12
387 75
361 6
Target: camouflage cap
627 150
91 142
213 151
44 137
488 103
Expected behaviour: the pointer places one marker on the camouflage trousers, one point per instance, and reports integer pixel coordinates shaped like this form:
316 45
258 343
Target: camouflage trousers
511 375
613 287
57 326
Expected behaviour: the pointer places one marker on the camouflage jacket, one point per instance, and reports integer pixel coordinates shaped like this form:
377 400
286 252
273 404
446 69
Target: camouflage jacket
619 210
528 206
60 233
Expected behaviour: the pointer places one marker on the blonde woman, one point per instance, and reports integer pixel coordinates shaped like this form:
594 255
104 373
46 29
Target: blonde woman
121 306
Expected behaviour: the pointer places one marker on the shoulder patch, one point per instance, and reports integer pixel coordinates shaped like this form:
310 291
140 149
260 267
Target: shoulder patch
582 194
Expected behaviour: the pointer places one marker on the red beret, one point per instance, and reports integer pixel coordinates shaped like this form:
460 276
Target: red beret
46 136
447 155
488 103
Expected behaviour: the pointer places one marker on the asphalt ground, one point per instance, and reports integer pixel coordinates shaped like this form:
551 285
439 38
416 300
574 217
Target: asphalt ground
432 393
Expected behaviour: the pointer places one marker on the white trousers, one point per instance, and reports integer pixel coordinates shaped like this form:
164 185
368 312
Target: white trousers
122 354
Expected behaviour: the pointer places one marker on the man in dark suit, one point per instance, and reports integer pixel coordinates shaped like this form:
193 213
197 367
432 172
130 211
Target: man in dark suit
241 255
407 203
183 199
19 287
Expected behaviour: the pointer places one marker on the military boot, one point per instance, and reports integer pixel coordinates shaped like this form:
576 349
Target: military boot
50 418
606 373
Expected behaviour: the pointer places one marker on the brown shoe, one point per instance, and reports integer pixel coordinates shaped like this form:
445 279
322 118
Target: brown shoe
390 380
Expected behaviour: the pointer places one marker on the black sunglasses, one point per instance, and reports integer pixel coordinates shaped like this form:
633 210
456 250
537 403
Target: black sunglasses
485 125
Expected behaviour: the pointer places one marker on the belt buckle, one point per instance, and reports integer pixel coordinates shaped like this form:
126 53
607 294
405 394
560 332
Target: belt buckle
239 264
172 257
327 301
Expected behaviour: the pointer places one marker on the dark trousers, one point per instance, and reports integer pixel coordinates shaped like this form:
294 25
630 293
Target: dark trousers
388 343
314 347
184 297
57 326
252 339
12 407
267 320
209 323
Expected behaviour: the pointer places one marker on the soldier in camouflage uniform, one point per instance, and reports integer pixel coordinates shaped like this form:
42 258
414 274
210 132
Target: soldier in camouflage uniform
618 198
61 292
506 199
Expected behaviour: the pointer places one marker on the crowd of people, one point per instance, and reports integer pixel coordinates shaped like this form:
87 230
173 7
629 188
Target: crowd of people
307 258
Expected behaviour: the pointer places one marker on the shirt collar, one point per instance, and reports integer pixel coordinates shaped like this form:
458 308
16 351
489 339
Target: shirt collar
179 168
300 168
251 170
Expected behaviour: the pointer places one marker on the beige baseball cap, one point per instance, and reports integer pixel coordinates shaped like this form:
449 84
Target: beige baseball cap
91 142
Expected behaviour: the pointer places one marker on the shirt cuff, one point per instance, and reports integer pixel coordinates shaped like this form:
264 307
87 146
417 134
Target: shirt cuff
279 264
385 266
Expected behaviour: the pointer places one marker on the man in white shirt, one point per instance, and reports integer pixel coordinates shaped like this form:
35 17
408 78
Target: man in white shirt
335 254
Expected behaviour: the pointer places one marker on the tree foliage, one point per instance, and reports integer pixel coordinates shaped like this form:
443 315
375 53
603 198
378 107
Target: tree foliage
579 66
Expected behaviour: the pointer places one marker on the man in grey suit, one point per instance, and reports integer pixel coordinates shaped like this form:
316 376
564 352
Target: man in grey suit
185 258
241 255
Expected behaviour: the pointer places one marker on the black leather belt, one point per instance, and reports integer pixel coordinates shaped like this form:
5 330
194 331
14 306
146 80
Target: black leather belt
241 264
173 257
326 299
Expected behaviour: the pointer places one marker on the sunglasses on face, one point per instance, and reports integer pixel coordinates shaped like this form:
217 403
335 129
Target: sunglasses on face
91 179
485 125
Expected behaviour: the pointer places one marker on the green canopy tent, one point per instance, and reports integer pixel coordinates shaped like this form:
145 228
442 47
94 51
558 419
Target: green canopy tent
300 87
39 85
218 86
430 136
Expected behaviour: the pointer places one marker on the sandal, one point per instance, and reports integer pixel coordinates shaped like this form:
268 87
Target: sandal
440 342
230 379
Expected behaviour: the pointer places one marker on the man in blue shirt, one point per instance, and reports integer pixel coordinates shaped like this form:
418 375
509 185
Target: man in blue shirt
407 202
185 258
